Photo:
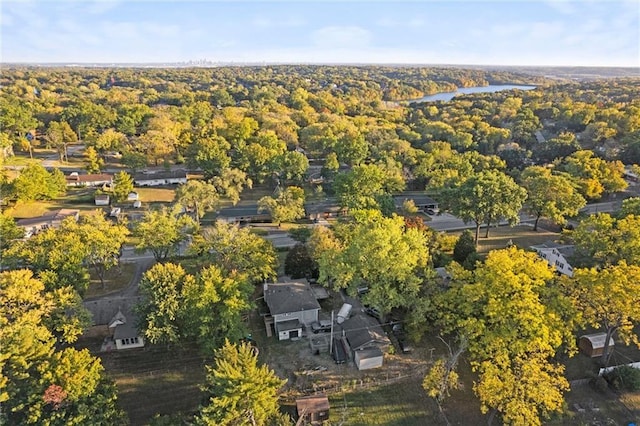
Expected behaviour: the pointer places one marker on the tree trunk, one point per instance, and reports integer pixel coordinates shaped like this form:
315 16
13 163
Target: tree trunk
535 224
606 351
477 233
486 234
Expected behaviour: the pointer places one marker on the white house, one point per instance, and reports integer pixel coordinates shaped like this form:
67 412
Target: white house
102 200
125 333
293 306
93 180
160 178
556 256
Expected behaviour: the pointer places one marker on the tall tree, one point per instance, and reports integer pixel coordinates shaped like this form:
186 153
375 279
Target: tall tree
230 184
594 175
241 391
162 231
608 298
485 198
94 162
286 207
199 196
503 310
122 186
36 183
365 186
551 196
236 249
60 135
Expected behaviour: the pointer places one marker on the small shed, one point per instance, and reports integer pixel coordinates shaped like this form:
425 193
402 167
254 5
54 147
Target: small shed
313 409
368 358
132 196
593 344
102 200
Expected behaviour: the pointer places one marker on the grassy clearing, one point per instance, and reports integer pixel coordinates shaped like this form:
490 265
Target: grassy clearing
116 279
156 380
521 235
156 195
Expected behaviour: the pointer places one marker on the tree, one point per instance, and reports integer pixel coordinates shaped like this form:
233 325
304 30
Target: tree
601 240
608 298
35 183
465 247
551 196
594 175
198 196
513 325
630 206
210 155
60 135
486 198
381 253
236 249
214 307
9 231
364 187
299 264
39 383
286 207
94 162
242 392
162 231
103 240
163 302
122 186
230 184
110 140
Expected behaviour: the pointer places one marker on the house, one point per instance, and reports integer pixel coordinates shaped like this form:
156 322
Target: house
422 202
593 344
243 214
125 333
365 333
292 306
93 180
48 220
313 409
318 210
556 255
172 177
132 196
102 200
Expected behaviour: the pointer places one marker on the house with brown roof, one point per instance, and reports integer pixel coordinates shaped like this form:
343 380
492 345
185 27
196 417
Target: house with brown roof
93 180
313 409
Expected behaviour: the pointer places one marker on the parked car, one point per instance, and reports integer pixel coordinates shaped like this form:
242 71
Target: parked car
363 290
405 346
322 326
374 312
339 353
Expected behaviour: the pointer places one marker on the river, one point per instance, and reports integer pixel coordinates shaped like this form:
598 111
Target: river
447 96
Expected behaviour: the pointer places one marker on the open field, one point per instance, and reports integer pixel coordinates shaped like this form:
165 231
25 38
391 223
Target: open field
156 195
522 236
156 380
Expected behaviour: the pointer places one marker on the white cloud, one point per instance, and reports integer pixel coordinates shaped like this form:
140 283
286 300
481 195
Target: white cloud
341 36
285 22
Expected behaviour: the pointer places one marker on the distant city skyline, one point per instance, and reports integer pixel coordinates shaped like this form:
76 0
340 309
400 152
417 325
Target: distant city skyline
475 32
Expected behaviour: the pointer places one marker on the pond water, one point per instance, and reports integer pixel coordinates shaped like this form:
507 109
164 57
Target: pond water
447 96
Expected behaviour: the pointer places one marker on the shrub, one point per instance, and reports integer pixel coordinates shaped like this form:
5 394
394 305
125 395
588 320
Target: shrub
624 378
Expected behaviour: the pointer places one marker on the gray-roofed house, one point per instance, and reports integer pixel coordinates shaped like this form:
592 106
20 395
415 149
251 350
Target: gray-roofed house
293 306
422 202
363 334
48 220
125 333
557 256
243 214
318 210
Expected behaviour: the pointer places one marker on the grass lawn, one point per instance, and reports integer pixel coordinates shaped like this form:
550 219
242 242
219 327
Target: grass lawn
521 235
116 279
156 195
156 380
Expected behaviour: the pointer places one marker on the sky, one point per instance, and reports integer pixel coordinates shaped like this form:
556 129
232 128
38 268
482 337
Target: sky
473 32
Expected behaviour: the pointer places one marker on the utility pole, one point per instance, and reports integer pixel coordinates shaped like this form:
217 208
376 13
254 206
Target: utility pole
331 336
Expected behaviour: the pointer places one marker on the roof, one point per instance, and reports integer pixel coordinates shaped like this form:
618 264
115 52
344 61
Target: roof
101 177
290 325
369 353
418 199
312 404
51 216
173 174
102 196
124 325
314 207
597 340
564 249
282 298
361 332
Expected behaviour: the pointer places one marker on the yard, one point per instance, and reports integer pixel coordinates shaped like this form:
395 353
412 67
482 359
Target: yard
116 279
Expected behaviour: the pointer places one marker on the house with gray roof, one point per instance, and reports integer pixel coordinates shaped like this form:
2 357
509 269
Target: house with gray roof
362 333
293 306
557 256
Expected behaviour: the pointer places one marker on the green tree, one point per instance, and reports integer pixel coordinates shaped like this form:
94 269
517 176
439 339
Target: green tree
163 302
551 196
608 298
103 240
286 207
35 183
594 175
94 162
299 263
9 231
230 184
199 196
630 206
241 392
60 136
162 231
365 186
110 140
486 198
465 247
39 383
210 155
122 186
236 249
